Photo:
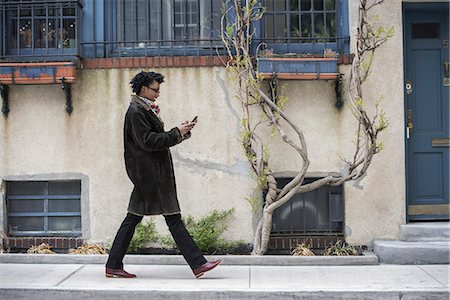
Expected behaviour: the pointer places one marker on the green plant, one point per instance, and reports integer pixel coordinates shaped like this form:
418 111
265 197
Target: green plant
207 232
144 233
341 249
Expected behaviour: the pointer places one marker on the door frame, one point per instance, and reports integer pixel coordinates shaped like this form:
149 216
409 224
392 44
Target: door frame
408 7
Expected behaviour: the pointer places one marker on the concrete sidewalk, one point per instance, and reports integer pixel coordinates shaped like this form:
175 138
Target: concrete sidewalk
77 281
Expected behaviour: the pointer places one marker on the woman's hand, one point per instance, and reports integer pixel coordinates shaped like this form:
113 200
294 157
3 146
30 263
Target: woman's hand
185 127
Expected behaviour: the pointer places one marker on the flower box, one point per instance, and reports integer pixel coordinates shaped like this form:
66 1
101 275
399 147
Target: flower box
37 73
306 68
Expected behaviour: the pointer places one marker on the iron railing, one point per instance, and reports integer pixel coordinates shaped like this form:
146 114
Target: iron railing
209 47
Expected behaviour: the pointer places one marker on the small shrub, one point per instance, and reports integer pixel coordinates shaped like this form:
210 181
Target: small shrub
144 233
303 249
41 249
207 232
341 249
88 249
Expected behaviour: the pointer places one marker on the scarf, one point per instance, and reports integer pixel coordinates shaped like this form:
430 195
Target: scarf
152 104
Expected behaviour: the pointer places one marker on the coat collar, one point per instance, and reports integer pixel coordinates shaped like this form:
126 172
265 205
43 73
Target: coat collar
139 101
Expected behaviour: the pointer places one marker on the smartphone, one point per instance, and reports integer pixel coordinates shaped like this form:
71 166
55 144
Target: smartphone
194 120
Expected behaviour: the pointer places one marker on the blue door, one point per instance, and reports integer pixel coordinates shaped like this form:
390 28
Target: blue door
427 110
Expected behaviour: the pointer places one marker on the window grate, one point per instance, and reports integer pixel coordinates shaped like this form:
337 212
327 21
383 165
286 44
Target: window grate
40 28
44 208
319 212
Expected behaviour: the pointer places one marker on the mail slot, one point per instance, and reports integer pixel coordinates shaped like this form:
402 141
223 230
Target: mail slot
440 142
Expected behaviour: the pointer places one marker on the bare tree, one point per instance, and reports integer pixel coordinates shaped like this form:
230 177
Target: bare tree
237 33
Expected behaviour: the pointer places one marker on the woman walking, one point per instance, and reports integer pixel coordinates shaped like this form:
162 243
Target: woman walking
149 166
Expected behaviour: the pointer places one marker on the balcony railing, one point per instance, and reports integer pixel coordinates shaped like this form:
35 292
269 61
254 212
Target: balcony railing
36 30
209 47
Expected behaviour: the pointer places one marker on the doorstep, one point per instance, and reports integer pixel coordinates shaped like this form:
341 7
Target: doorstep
368 258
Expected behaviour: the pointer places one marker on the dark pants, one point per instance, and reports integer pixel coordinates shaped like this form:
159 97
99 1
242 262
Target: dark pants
184 241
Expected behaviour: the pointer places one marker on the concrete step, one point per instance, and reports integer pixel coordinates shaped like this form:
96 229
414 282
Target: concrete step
423 232
401 252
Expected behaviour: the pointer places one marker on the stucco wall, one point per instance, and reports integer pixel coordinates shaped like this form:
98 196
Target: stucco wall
39 137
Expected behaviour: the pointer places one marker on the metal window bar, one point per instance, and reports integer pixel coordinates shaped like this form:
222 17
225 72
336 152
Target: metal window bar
45 214
123 47
334 213
8 8
288 13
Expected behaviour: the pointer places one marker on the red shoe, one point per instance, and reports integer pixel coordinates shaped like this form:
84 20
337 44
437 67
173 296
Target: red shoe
118 273
208 266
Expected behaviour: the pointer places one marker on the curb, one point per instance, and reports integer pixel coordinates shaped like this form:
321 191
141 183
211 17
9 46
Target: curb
368 258
49 294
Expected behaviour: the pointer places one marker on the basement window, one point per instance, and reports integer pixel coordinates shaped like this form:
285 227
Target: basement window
44 208
319 212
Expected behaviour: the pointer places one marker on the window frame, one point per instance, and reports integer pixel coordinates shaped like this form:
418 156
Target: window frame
341 46
334 201
165 47
6 8
45 214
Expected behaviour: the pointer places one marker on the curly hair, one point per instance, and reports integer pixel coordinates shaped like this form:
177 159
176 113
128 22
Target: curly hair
144 79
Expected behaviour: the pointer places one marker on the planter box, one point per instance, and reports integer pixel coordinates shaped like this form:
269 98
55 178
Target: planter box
298 68
37 73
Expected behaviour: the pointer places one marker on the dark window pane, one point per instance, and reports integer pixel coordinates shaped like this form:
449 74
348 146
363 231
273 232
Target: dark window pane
306 5
25 12
142 20
20 206
295 26
26 223
192 19
40 33
268 23
68 12
155 20
331 24
318 4
315 211
14 188
269 5
294 5
330 4
64 223
280 5
39 12
53 12
52 34
319 26
68 30
64 205
64 187
280 25
25 33
282 218
306 25
216 15
425 30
